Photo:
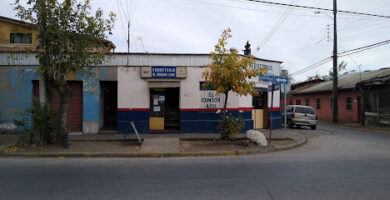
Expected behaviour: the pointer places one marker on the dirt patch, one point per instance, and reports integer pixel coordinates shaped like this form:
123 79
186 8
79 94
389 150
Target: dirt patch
84 147
222 146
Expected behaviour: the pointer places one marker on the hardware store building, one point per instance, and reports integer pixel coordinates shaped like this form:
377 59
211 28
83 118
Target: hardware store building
158 92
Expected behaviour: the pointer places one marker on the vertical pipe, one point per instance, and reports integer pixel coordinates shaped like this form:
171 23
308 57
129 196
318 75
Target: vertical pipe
285 106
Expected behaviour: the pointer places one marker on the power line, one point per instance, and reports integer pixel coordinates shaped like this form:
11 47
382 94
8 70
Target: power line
364 48
317 64
341 54
317 8
280 21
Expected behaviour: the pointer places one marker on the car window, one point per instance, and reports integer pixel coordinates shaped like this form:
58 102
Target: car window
289 109
309 111
299 110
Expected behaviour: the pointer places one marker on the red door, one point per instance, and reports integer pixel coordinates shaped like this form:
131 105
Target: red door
75 111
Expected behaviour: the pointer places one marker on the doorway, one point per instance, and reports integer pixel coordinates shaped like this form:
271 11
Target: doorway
164 109
108 104
259 109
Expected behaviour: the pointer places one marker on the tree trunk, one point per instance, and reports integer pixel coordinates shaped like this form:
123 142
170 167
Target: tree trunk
65 93
225 105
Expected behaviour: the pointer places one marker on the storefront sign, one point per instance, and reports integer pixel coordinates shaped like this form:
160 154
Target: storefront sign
209 99
163 72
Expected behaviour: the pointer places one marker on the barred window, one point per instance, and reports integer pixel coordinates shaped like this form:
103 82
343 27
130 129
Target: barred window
349 103
307 102
318 103
298 102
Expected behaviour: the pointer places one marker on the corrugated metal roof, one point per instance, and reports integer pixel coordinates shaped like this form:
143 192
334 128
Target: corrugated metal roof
123 59
347 81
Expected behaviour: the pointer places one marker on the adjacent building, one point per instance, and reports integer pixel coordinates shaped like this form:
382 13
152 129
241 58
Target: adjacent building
362 97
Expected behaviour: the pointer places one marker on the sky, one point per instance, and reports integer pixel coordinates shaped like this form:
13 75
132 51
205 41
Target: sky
297 37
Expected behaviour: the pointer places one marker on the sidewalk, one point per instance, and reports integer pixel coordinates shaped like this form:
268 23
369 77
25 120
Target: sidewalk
161 145
366 127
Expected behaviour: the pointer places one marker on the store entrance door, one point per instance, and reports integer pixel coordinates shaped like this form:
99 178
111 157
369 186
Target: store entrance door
164 109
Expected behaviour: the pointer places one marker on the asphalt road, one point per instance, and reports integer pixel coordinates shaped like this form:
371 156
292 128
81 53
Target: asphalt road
336 163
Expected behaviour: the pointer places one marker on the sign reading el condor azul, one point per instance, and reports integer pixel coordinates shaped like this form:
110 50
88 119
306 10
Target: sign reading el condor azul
163 72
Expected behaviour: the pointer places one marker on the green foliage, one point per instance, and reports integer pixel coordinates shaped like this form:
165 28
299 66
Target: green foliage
69 36
247 51
229 71
43 124
230 127
71 40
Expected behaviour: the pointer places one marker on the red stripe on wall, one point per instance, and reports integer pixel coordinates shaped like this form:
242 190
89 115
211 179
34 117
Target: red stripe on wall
215 109
274 109
133 109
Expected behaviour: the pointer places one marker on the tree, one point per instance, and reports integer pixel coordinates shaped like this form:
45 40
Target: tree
70 39
342 66
247 50
228 71
284 72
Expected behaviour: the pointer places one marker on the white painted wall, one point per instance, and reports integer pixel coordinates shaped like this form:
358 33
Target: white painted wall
191 95
133 91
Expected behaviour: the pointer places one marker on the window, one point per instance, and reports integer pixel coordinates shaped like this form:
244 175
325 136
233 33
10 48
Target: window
349 103
309 111
298 102
257 102
20 38
299 109
291 102
203 86
307 102
318 103
289 109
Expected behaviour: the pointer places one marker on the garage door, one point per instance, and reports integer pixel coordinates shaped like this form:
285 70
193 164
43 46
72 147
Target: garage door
75 111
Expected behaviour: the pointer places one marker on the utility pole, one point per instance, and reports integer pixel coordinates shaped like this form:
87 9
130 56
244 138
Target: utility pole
335 77
128 41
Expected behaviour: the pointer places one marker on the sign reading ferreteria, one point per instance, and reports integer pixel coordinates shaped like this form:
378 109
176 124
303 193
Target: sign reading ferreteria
163 72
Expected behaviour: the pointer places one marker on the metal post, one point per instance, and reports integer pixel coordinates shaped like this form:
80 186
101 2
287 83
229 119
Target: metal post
272 107
285 106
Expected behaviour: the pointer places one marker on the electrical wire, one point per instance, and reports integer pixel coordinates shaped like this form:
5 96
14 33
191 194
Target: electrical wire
341 54
280 21
317 8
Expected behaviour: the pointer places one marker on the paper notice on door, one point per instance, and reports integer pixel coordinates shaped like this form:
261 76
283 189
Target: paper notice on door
161 98
155 101
156 109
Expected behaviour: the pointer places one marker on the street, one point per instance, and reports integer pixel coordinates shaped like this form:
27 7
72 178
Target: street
336 163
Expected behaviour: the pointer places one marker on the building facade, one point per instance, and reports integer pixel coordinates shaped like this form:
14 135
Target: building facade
17 35
158 92
358 98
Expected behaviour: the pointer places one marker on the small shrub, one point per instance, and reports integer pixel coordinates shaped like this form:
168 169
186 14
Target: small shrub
43 122
43 125
230 127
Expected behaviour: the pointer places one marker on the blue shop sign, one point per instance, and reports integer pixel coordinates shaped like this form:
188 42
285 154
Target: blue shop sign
163 72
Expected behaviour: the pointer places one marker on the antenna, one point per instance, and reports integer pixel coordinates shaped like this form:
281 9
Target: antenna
142 42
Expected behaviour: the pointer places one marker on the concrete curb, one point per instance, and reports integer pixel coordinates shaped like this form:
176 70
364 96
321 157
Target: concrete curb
301 141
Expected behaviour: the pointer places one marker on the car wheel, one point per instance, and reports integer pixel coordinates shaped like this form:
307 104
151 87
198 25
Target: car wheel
313 127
